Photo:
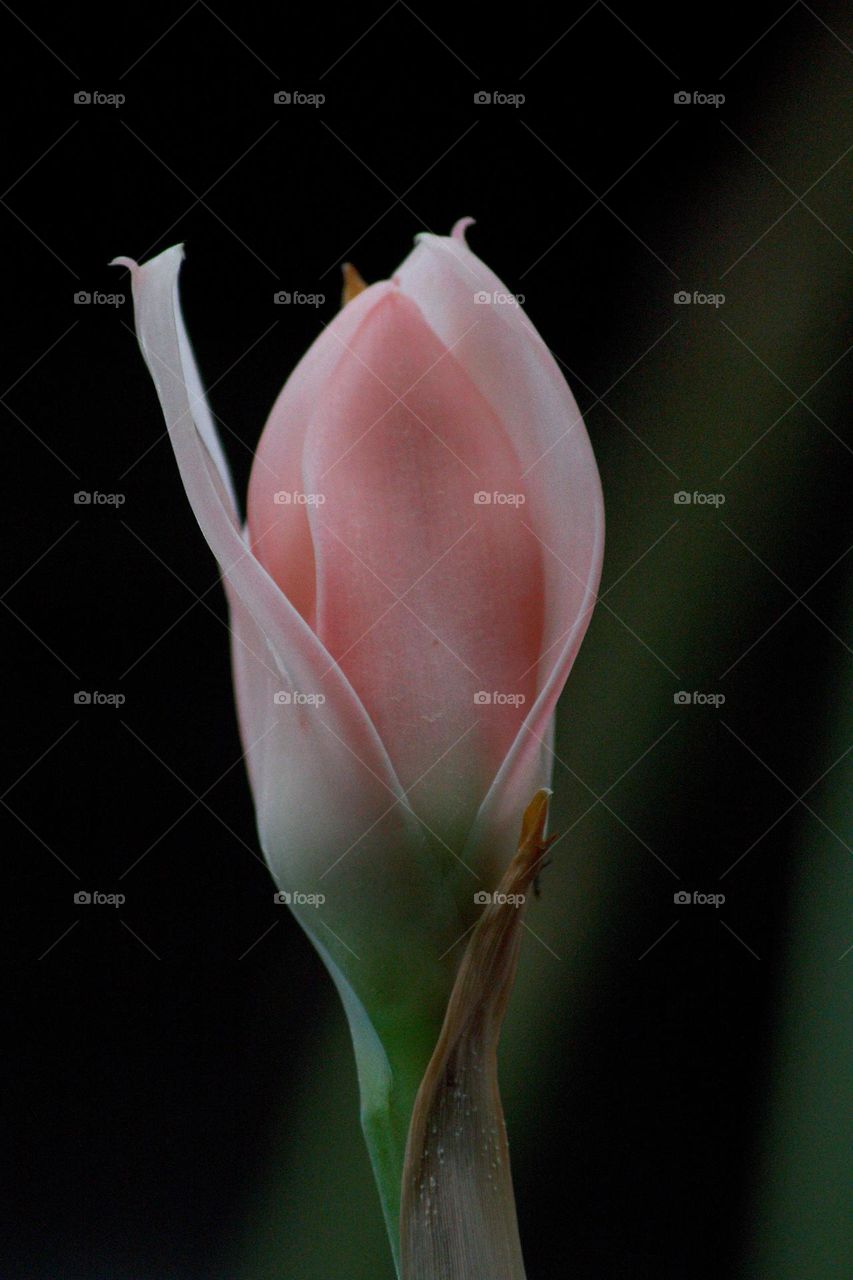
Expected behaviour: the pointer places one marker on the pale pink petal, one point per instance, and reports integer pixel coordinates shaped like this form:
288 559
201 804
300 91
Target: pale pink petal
200 410
276 509
425 597
506 359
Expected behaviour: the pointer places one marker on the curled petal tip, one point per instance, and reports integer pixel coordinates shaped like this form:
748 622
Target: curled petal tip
167 255
135 266
460 227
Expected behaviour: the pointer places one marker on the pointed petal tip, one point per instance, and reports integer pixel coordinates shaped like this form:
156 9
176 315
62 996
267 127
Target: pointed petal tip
460 227
354 283
130 263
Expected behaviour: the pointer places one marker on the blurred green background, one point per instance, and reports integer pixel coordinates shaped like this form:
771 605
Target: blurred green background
182 1102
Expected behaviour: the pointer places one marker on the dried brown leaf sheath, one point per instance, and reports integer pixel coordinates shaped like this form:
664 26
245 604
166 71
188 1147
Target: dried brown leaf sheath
457 1218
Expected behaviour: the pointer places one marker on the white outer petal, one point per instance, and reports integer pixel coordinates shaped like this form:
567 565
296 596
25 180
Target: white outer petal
312 805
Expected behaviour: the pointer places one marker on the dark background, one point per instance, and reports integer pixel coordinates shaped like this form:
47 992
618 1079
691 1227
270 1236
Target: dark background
178 1087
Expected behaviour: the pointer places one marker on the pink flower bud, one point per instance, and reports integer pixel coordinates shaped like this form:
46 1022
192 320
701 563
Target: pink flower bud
423 546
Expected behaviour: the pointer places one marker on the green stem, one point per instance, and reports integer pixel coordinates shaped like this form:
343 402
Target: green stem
391 1059
386 1115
